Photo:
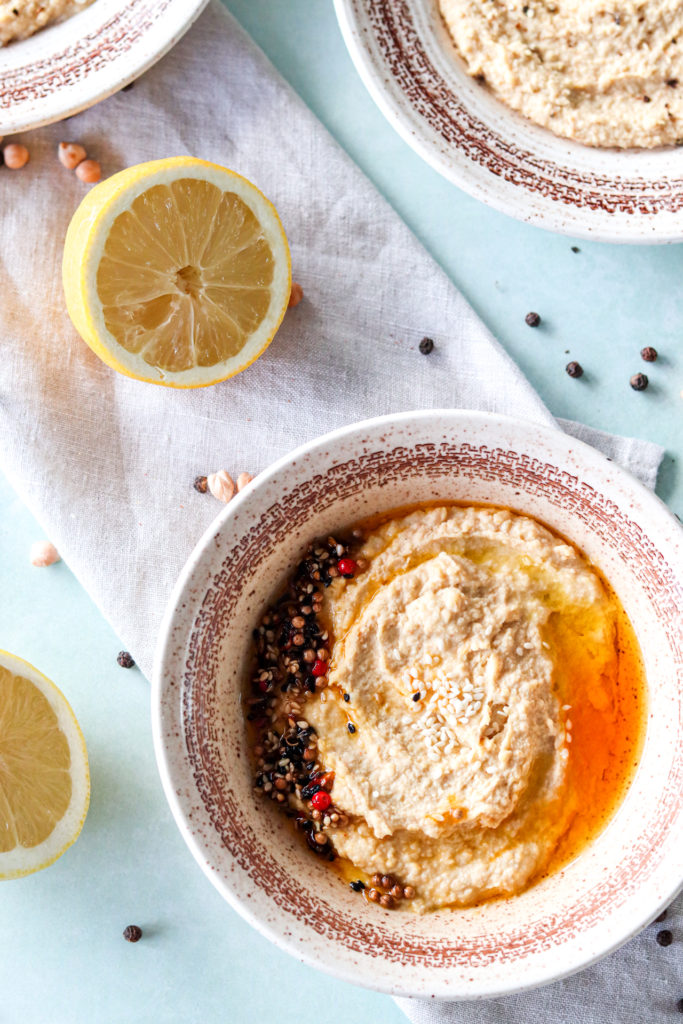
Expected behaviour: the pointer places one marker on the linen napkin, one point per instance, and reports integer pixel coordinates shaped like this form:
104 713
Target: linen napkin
107 463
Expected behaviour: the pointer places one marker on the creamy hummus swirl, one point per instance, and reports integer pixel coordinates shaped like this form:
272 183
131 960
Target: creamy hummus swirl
604 73
454 769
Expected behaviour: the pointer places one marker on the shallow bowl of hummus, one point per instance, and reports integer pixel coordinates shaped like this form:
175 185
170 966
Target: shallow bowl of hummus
58 57
566 115
429 738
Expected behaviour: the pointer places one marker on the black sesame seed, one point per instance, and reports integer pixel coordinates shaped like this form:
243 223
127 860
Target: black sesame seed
639 381
124 659
351 727
575 248
426 346
132 933
574 369
357 886
347 697
201 484
649 354
532 319
665 937
416 696
672 82
646 99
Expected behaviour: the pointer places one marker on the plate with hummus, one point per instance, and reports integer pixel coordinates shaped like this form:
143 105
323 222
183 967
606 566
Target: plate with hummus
567 115
60 56
417 704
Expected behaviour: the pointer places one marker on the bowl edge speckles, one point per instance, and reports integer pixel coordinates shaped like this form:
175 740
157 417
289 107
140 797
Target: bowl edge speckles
558 926
69 66
403 54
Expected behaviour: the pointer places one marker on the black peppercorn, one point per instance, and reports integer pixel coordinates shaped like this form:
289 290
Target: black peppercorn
649 354
124 659
201 484
574 369
533 319
639 381
132 933
665 937
426 346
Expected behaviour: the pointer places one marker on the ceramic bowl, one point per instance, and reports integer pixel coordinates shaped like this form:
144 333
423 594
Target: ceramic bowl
405 56
577 915
68 66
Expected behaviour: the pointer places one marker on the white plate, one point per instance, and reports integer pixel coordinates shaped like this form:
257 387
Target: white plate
405 56
71 65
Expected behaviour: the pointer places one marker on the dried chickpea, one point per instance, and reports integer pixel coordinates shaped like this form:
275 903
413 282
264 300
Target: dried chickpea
89 171
71 154
16 156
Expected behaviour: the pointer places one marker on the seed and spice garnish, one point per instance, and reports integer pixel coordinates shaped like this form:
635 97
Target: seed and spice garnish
532 319
665 937
639 381
292 650
574 369
133 933
426 346
649 354
201 484
124 659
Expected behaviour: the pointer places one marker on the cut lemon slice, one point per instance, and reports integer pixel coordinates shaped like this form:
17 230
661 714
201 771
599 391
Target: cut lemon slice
44 778
176 272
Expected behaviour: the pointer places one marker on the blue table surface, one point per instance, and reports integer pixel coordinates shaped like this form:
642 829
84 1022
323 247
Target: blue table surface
63 957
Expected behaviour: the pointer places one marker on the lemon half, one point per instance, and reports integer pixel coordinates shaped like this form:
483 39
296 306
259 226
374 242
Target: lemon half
44 777
176 272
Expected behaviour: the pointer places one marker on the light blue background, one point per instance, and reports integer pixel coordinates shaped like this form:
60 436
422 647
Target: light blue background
63 959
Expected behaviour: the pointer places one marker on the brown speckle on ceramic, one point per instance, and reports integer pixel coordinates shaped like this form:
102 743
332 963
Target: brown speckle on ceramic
406 58
559 925
69 66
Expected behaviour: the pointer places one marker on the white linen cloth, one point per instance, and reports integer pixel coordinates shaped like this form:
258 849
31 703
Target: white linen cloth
107 463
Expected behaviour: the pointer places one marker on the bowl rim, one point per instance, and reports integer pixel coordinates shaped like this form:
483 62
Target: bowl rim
70 50
506 196
171 781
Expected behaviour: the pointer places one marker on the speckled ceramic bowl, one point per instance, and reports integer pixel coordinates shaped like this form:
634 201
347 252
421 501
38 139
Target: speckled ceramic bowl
616 886
68 66
404 54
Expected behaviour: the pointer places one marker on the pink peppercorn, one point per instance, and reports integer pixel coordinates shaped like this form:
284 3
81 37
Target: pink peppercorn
346 566
319 667
321 800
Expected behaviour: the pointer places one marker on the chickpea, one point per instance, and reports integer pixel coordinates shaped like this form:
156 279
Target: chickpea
71 154
89 171
16 156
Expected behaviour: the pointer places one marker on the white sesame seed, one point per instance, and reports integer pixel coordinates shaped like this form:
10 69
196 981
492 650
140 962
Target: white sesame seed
568 738
566 707
519 652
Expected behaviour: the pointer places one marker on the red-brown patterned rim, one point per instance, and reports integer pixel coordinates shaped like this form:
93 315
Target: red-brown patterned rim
197 647
67 67
503 159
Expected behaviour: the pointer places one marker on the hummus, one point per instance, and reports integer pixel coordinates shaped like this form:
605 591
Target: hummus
21 18
443 720
604 73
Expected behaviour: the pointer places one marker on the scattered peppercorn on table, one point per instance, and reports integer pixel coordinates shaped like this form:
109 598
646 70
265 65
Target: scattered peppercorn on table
554 303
